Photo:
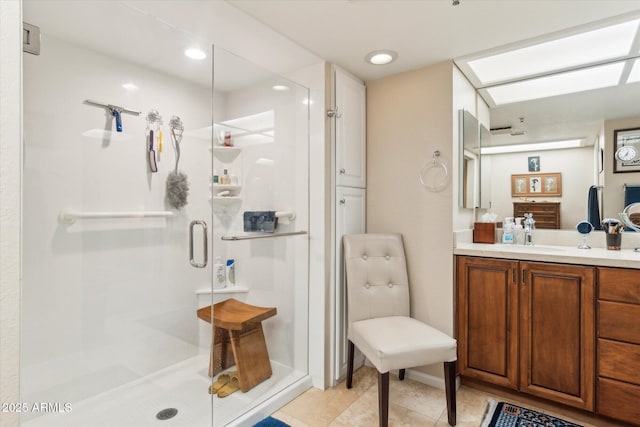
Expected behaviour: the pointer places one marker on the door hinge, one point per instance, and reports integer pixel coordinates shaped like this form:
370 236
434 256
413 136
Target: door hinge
30 39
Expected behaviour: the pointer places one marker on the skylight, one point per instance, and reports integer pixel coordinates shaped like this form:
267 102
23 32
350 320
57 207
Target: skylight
634 76
590 47
558 84
572 63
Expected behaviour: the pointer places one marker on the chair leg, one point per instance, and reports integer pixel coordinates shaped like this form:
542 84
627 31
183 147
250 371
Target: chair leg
401 374
350 351
450 388
383 398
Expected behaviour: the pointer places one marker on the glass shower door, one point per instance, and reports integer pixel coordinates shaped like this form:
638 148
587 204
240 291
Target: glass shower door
110 333
260 199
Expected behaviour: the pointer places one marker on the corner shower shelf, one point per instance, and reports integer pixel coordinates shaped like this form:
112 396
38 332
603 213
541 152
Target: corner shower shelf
69 216
226 199
230 187
230 150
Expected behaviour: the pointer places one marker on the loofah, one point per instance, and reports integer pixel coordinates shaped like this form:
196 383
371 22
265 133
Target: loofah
177 189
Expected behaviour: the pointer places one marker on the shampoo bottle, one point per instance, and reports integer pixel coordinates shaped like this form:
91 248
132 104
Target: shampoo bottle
231 272
219 274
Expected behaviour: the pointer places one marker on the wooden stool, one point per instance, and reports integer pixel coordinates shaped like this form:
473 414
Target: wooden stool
241 325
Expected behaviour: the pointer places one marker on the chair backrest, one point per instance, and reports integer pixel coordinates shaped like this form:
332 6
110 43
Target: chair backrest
377 281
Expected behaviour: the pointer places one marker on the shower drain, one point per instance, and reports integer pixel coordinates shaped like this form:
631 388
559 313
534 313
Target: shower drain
166 414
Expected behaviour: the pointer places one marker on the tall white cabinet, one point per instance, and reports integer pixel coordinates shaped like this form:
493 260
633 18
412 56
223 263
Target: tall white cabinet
349 113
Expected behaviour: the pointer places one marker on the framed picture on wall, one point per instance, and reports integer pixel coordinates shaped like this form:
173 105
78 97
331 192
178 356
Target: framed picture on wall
536 185
626 150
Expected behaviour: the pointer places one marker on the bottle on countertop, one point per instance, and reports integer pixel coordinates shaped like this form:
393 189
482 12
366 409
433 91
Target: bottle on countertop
508 231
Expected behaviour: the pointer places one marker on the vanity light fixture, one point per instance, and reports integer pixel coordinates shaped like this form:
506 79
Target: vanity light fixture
195 53
538 146
381 57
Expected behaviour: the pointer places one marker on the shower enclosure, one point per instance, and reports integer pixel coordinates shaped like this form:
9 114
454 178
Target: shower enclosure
113 274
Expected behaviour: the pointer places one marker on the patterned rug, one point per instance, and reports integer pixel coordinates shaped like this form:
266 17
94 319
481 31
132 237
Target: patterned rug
502 414
271 422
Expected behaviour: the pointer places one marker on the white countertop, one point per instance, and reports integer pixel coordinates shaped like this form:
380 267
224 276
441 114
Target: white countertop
551 253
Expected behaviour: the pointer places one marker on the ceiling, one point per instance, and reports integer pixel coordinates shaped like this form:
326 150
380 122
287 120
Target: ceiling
430 31
423 32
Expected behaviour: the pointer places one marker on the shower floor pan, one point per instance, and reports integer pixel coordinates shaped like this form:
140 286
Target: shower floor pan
183 386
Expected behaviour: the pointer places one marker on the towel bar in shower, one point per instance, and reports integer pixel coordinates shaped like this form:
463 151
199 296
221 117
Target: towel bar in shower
69 216
262 236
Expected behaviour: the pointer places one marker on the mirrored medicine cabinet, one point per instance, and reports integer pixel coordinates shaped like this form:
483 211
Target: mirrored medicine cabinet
474 193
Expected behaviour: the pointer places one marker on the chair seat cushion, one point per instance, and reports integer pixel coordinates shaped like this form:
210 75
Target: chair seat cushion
399 342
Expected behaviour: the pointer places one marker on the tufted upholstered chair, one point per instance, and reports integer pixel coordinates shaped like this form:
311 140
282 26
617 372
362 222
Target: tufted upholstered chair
379 322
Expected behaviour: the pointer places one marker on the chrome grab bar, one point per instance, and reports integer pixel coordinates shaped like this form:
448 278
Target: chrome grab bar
263 236
204 244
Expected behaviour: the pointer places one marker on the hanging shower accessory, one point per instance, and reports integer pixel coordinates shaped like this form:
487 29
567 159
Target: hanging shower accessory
154 138
115 110
177 184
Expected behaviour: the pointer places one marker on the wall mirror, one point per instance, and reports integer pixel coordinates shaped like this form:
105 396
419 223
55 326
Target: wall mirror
588 118
469 160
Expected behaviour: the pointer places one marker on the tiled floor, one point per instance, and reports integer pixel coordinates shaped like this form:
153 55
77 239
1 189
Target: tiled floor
410 404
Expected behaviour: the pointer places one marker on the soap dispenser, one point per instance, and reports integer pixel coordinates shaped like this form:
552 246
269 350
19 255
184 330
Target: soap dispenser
507 231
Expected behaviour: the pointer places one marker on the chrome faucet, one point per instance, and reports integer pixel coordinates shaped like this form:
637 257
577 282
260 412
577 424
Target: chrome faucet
529 226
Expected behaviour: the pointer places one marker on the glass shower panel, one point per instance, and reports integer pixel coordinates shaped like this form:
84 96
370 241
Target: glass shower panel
261 169
110 335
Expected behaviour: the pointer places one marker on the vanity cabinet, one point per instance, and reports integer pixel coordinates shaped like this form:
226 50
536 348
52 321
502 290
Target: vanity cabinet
528 326
546 214
487 320
618 373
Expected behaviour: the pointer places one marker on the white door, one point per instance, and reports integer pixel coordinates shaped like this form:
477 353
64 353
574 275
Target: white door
350 219
350 116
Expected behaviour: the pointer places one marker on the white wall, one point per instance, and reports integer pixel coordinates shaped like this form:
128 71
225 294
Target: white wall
409 116
10 208
575 165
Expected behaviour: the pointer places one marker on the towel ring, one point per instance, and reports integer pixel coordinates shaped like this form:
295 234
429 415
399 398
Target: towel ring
434 176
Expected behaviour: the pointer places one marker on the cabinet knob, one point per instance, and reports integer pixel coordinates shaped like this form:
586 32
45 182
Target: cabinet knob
342 170
343 201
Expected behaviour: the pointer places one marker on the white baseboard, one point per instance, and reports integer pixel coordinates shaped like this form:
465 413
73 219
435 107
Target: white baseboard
272 404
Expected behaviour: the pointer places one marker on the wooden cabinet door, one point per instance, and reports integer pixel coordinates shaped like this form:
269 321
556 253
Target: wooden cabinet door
557 333
351 159
487 323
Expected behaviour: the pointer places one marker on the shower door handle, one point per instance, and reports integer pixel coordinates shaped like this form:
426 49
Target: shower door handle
204 244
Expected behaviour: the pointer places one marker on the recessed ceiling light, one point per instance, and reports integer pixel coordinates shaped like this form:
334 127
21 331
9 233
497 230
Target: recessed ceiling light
381 57
130 86
195 53
280 88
